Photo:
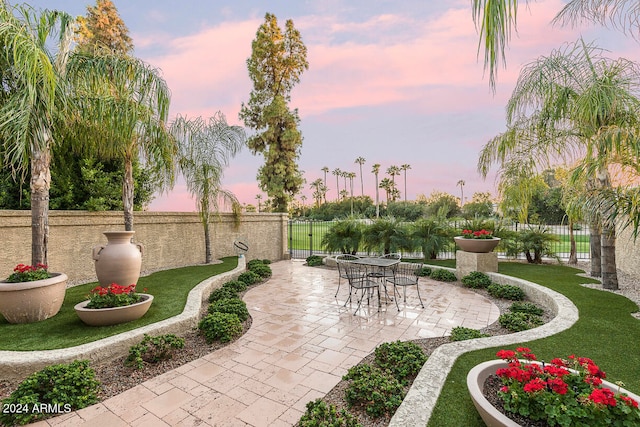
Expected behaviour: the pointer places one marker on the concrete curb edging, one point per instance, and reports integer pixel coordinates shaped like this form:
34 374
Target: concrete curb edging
417 406
19 364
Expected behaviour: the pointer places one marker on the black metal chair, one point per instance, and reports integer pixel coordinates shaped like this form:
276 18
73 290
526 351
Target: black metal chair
341 261
405 274
383 273
359 280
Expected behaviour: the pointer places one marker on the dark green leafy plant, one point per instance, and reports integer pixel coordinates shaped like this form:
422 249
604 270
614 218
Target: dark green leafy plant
319 414
253 263
476 280
424 272
264 271
378 392
153 350
235 286
526 307
517 322
249 277
230 305
443 275
113 295
220 326
510 292
403 359
63 387
28 273
343 237
222 293
314 260
460 333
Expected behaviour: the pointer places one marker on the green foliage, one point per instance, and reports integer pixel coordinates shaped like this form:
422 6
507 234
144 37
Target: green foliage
254 263
460 333
406 211
235 286
222 293
314 260
442 205
432 236
443 275
510 292
264 271
386 235
232 306
403 359
249 277
220 326
70 386
344 236
476 280
332 210
153 350
424 272
319 414
526 307
375 390
519 321
536 243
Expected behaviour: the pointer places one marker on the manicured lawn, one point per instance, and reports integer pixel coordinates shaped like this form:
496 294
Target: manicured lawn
605 332
169 288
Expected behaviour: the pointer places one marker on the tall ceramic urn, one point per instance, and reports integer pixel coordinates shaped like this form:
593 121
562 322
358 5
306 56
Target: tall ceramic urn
120 260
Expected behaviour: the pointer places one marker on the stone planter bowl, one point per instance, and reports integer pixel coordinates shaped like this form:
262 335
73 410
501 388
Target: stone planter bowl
114 315
28 302
477 245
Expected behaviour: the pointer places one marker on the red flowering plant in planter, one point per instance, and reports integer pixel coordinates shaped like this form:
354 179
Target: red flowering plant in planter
113 295
28 273
479 234
564 392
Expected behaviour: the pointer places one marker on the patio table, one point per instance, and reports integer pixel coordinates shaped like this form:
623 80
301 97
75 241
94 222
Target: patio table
378 263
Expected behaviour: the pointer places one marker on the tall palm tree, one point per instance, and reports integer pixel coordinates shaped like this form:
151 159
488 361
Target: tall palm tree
33 99
258 198
124 106
387 185
205 149
376 170
404 168
338 173
325 169
581 107
361 161
351 175
461 183
319 192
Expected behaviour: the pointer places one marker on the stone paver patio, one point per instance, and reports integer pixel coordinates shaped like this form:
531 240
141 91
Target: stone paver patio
301 342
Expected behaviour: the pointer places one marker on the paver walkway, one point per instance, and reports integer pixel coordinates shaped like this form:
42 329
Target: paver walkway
302 340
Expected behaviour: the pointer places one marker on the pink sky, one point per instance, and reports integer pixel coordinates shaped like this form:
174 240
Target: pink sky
393 82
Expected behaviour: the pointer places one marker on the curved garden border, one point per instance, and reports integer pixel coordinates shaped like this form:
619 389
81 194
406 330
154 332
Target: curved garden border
19 364
417 406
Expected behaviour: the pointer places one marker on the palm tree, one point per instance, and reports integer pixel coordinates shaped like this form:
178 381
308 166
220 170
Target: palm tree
461 183
580 107
325 169
319 191
33 99
258 198
205 149
431 236
303 199
387 185
386 235
124 105
376 170
338 173
351 175
404 168
360 161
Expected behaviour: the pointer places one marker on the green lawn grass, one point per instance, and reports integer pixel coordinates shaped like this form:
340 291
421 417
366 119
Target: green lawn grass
604 332
169 289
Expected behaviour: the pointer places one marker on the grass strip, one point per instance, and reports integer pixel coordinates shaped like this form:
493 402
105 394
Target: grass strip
170 289
605 328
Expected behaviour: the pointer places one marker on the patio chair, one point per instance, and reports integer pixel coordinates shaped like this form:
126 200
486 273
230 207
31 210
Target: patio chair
405 274
341 261
384 273
359 280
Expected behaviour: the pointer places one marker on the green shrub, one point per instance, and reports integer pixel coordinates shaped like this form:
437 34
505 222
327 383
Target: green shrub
222 293
517 322
424 272
403 359
264 271
153 350
253 263
220 326
526 307
476 280
314 260
235 286
443 275
249 278
62 388
319 414
230 305
378 392
510 292
460 333
266 261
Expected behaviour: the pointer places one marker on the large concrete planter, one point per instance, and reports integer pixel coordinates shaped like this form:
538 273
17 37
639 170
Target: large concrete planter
479 246
491 416
114 315
28 302
119 261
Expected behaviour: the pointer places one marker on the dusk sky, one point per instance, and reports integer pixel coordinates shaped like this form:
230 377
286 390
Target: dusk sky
396 82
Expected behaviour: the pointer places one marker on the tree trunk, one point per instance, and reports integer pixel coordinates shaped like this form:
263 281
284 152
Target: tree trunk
573 255
127 193
40 184
595 249
609 273
207 243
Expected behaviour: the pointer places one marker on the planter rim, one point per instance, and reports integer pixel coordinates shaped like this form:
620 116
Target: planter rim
17 286
81 306
471 238
119 233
